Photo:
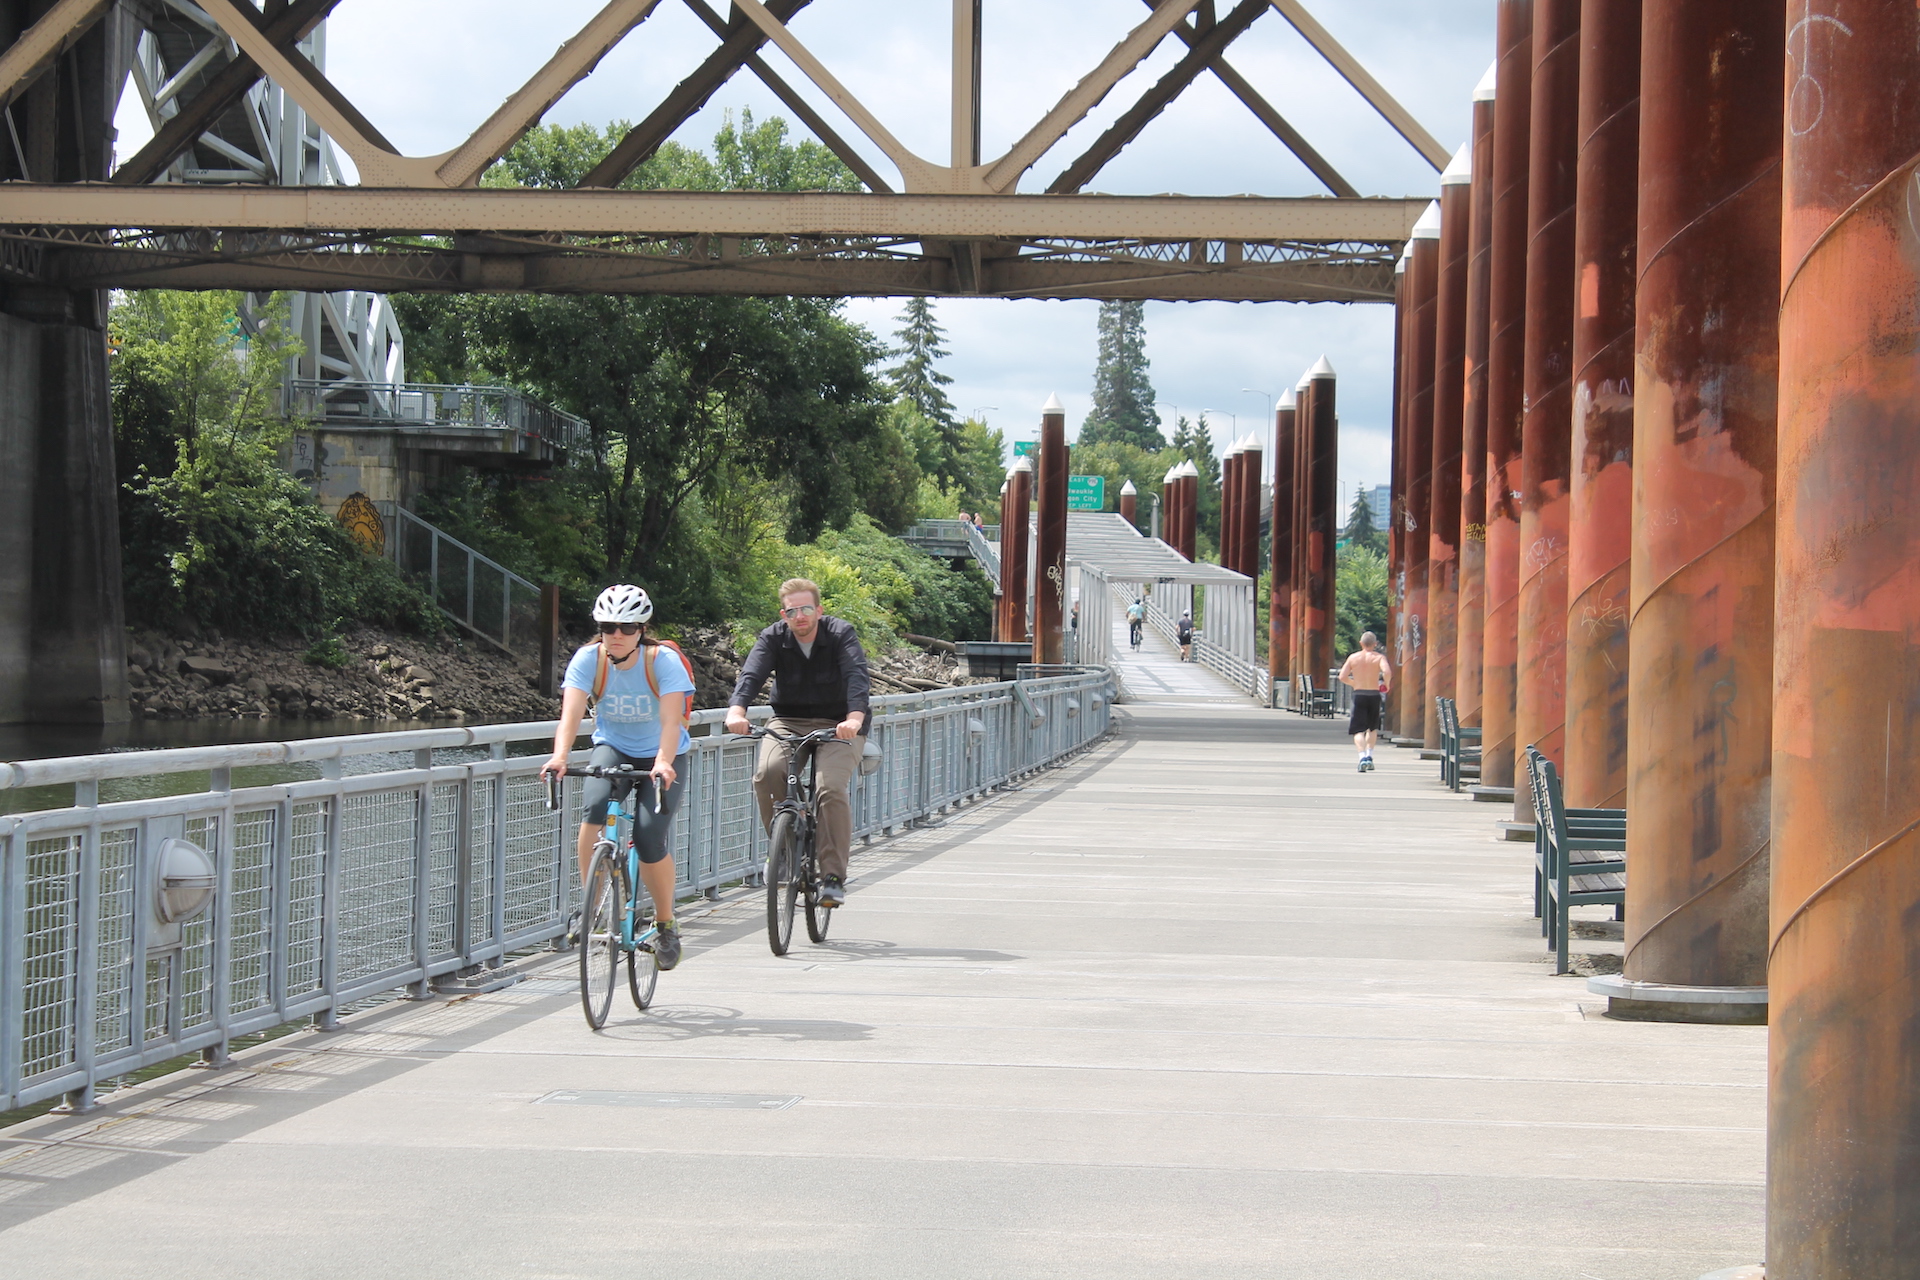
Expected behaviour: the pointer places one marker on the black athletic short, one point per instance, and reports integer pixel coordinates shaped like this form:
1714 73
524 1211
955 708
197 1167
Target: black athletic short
1366 712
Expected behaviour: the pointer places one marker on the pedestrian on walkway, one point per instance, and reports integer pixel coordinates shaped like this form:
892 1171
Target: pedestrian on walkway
1369 673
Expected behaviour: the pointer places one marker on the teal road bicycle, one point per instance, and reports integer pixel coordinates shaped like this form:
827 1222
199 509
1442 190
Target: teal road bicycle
613 918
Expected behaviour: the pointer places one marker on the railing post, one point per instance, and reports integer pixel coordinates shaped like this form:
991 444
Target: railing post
86 909
13 961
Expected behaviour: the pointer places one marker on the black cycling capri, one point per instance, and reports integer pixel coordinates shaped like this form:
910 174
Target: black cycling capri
650 829
1366 713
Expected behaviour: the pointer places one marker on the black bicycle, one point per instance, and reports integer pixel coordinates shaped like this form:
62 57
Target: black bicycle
1133 633
612 926
793 867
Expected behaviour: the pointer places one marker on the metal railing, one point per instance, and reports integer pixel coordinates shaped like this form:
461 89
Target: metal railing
943 536
482 595
431 405
354 866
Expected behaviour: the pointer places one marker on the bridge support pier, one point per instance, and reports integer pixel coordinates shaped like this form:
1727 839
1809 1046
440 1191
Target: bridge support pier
62 626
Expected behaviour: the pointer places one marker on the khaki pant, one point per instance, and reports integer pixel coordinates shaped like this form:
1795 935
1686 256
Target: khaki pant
833 765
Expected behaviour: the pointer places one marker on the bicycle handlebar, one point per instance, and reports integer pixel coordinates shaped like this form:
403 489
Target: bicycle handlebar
795 739
597 771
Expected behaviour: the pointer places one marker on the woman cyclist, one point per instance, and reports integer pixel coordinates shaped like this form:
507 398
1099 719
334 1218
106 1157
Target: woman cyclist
632 725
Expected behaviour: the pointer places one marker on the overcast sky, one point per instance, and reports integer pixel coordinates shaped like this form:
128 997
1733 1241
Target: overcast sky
427 72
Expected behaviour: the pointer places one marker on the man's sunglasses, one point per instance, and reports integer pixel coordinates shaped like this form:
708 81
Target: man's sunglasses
624 628
804 611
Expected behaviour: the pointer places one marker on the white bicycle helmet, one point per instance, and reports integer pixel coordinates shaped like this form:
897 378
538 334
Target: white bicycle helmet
622 603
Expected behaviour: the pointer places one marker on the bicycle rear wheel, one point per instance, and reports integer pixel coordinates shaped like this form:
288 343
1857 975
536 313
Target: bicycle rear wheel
783 883
605 903
819 916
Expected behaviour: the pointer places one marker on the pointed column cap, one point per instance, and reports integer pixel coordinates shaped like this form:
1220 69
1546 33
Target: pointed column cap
1053 405
1321 369
1172 471
1287 400
1127 489
1252 443
1022 463
1428 228
1459 171
1483 92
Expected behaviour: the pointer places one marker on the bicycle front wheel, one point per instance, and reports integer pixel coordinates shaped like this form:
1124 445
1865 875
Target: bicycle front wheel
783 883
642 973
819 915
600 915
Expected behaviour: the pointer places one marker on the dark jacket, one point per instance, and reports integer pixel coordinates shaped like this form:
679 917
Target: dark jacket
830 685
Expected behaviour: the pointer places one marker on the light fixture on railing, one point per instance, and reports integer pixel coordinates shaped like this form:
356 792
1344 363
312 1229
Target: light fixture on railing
183 884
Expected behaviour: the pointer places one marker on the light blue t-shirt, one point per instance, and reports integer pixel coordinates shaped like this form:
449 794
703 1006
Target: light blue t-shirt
627 717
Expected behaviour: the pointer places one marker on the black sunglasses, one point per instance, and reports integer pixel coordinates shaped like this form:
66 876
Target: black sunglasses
624 628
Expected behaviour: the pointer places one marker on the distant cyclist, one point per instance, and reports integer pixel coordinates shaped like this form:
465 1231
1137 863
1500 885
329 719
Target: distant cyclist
1136 618
1184 634
820 681
1369 672
639 719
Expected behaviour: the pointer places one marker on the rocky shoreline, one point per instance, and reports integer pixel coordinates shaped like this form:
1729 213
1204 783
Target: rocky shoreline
375 677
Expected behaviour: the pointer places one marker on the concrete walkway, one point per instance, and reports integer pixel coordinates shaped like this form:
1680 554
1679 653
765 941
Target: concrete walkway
1156 674
1203 1002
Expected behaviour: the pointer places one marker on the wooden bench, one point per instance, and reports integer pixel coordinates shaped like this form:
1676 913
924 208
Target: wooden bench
1579 856
1459 747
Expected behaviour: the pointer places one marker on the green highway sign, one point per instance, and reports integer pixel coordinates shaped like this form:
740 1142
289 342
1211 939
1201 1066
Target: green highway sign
1086 493
1026 448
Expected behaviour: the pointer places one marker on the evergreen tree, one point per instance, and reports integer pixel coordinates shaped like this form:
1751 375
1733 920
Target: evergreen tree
918 382
1360 522
1123 408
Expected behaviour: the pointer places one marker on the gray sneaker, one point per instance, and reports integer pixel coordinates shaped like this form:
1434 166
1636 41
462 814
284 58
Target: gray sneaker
833 891
666 945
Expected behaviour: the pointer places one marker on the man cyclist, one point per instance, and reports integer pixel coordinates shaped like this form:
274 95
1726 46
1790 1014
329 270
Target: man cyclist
820 681
1184 634
1136 618
637 721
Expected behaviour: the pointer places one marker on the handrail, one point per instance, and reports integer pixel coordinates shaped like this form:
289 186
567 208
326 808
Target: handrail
409 405
395 873
463 582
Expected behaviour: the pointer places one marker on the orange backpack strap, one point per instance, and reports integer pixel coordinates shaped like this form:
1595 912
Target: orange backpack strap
600 669
653 681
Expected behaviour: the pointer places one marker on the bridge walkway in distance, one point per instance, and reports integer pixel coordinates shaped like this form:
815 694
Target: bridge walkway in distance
1202 1002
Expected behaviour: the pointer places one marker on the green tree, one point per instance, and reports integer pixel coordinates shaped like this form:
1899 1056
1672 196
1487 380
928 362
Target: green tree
1360 597
919 383
1362 530
213 528
687 395
1123 400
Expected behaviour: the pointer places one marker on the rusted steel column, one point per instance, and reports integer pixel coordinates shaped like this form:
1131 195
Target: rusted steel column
1506 349
1230 507
1280 551
1252 460
1323 523
1600 527
1302 517
1471 629
1170 507
1050 562
1395 640
1449 372
1015 535
1843 1145
1129 497
1546 429
1700 673
1189 509
1423 280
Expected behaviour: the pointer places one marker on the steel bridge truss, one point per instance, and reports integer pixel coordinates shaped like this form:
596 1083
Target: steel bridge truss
242 107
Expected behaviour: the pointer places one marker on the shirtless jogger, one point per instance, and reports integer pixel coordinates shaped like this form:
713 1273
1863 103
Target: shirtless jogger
1368 671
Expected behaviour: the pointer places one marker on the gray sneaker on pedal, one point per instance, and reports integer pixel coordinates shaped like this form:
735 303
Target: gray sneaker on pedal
666 945
833 891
